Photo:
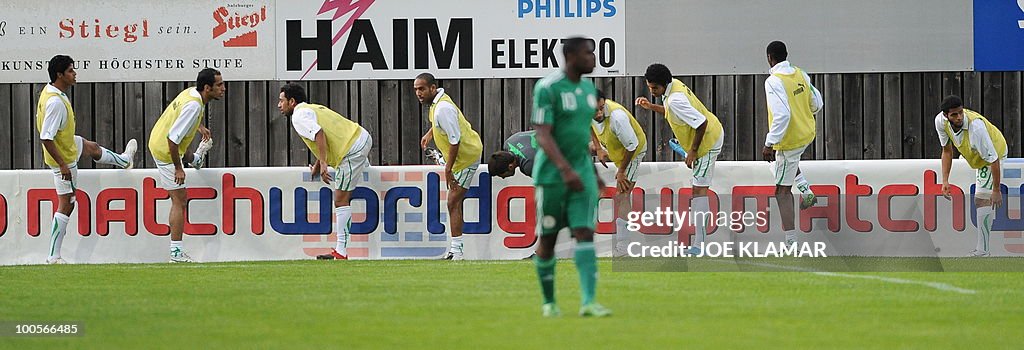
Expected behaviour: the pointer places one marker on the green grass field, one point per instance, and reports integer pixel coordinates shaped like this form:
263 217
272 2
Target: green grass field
484 305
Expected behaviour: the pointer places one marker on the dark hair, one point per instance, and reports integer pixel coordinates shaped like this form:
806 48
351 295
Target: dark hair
574 44
58 64
657 73
777 51
950 102
601 95
294 91
207 76
499 162
427 78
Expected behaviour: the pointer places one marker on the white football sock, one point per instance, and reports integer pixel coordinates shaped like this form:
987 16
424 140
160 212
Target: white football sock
456 246
801 184
342 222
986 215
702 206
57 231
109 157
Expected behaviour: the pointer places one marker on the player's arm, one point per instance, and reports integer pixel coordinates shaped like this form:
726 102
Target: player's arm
597 149
947 153
321 166
776 96
817 102
305 124
698 137
425 140
53 120
447 118
623 131
189 116
644 103
683 111
997 191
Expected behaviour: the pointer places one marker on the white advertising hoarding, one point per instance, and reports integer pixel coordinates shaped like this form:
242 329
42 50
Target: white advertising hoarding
137 40
399 212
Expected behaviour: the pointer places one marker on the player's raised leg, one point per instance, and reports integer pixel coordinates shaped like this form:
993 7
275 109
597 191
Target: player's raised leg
792 103
169 140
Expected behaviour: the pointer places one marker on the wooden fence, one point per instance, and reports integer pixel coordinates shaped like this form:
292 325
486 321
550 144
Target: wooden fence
867 116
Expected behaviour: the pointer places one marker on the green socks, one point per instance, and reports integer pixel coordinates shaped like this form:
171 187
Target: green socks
586 264
546 276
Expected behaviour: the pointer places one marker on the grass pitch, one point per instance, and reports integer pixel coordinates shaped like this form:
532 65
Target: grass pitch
496 304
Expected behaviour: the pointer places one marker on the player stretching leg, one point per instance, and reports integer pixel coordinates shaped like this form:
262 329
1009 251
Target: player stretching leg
984 148
55 122
792 103
170 138
338 143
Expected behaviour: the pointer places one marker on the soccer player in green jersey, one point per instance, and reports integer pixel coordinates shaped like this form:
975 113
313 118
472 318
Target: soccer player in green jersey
564 175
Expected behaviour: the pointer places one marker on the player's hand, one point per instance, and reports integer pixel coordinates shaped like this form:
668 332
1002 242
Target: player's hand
205 132
179 176
449 178
65 173
768 153
945 191
325 172
997 198
424 141
643 102
572 179
621 183
690 158
602 156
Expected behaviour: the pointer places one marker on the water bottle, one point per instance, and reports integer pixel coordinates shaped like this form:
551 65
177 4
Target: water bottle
675 146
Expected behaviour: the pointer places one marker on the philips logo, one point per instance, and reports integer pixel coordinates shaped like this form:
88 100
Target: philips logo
566 8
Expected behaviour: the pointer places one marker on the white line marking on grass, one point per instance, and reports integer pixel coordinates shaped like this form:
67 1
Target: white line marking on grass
937 285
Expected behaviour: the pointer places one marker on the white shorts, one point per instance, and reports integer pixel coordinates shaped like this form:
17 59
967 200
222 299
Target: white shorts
349 172
68 187
464 177
786 165
166 176
983 184
704 167
632 169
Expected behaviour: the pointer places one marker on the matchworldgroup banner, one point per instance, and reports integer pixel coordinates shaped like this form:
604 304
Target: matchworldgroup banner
137 40
867 208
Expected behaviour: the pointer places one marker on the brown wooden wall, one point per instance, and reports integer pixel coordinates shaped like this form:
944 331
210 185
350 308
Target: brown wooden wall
867 116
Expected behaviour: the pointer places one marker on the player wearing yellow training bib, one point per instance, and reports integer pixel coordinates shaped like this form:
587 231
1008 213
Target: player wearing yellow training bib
984 148
459 144
55 122
792 103
698 130
338 143
169 141
616 130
